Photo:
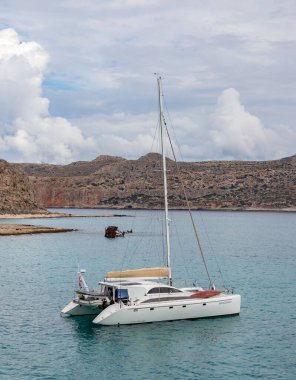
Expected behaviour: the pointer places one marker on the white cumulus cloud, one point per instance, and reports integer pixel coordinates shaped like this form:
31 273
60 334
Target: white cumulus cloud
239 134
27 130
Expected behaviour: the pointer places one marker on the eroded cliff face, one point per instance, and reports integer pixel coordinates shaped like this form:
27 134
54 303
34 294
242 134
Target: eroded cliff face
117 182
16 191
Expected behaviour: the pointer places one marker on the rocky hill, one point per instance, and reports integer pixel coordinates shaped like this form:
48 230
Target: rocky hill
117 182
16 191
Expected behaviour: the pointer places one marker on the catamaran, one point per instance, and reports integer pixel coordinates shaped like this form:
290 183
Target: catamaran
147 294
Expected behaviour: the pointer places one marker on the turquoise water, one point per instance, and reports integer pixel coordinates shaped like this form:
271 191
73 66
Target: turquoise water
254 251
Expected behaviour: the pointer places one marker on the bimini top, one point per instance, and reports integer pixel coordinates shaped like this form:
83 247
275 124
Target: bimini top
143 273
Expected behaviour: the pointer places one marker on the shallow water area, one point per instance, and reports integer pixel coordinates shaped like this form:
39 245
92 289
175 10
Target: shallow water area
255 251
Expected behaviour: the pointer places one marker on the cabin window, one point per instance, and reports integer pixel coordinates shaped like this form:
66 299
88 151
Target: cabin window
163 289
121 294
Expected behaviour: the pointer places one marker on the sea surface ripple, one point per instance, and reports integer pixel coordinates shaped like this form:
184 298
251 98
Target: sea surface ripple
254 251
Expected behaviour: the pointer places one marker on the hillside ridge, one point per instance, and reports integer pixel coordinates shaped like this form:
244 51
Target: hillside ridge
16 191
116 182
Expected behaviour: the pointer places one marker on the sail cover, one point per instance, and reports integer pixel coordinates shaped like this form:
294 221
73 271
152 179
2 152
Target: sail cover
144 273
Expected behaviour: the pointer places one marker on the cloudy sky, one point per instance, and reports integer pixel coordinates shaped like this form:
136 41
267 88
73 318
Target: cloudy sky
77 78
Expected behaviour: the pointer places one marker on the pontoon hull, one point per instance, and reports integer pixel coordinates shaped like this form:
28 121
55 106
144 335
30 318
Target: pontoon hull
118 314
75 309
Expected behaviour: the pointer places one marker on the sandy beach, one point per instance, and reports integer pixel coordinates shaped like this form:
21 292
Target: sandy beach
56 215
21 229
35 215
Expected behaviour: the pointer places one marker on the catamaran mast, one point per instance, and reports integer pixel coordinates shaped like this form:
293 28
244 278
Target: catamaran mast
167 224
162 123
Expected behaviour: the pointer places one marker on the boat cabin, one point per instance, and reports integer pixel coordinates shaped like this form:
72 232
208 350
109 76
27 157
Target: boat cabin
138 291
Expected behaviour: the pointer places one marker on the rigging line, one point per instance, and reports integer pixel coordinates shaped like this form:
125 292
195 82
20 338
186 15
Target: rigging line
140 241
161 203
136 246
142 246
173 129
181 248
225 278
167 223
189 210
129 254
156 137
154 140
156 144
128 242
201 218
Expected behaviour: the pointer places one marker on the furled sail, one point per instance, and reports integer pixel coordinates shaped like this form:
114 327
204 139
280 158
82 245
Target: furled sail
143 273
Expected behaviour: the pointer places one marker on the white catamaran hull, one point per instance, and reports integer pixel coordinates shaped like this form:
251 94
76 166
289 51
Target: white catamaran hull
130 296
75 309
119 314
